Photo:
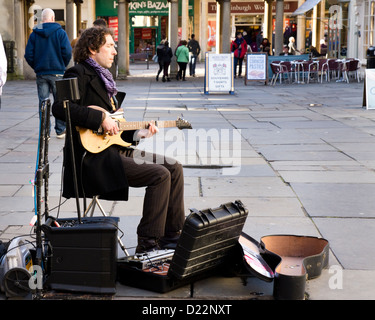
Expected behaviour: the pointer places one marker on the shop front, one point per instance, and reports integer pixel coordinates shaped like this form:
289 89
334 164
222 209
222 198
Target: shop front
248 18
148 22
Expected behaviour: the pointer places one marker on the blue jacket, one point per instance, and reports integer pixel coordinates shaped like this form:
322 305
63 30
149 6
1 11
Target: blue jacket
48 50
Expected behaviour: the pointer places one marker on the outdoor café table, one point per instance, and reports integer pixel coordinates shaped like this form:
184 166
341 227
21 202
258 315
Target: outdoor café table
343 68
298 67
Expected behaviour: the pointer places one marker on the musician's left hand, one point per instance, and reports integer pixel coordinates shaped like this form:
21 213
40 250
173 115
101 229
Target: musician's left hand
147 133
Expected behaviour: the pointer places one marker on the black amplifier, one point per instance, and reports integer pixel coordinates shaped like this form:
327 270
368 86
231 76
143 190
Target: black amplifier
83 255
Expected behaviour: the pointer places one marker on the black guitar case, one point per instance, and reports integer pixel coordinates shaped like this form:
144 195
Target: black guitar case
206 242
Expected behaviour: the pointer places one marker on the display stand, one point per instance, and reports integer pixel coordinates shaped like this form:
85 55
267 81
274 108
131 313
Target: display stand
369 89
256 67
219 76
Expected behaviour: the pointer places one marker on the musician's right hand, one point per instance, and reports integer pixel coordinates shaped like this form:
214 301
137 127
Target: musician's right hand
110 126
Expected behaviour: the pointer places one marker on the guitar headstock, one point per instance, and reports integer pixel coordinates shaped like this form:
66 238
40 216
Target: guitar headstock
183 124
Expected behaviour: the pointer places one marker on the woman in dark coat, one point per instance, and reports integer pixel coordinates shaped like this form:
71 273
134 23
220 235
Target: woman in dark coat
168 54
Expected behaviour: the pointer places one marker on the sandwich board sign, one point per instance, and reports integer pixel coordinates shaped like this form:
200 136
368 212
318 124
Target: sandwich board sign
256 67
219 76
370 89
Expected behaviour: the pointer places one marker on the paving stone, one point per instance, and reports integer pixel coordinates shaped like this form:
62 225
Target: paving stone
336 199
354 252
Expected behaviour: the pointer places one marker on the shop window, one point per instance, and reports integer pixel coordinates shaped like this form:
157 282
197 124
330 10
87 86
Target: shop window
368 26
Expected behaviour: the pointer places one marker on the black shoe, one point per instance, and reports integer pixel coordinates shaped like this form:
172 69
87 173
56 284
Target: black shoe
170 240
168 79
163 79
147 245
157 78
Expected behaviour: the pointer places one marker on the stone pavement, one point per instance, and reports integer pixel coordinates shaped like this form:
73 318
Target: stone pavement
300 157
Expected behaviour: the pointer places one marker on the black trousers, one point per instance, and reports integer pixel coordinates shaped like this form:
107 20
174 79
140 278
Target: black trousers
163 206
239 62
182 70
163 66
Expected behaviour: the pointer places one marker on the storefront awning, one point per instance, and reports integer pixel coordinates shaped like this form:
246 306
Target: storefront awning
307 6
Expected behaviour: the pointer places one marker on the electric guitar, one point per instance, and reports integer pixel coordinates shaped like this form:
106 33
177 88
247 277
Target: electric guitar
97 141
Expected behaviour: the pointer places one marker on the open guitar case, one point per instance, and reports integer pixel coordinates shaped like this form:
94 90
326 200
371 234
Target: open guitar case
212 243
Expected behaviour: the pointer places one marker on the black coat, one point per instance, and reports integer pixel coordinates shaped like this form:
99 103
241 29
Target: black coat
101 173
164 54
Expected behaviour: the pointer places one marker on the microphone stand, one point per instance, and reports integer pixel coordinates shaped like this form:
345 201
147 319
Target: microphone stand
70 136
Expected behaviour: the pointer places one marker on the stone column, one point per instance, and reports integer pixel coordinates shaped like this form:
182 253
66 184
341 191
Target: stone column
121 51
225 27
173 33
19 36
79 14
218 26
279 26
127 36
203 28
301 29
69 21
184 20
314 26
267 26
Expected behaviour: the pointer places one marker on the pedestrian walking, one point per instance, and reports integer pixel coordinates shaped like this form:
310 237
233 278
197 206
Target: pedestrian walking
239 48
182 54
194 49
167 58
48 52
3 67
160 55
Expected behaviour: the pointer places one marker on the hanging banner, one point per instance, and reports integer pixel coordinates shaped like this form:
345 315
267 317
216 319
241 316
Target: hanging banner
219 75
256 67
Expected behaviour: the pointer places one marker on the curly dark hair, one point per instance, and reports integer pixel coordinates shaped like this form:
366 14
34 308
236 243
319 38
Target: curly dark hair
92 38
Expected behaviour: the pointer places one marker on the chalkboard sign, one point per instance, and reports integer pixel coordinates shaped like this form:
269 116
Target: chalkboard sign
219 75
256 67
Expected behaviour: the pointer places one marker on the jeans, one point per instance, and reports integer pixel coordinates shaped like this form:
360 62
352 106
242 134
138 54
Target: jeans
192 64
46 85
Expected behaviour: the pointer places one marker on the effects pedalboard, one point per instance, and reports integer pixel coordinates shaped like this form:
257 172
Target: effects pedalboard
150 259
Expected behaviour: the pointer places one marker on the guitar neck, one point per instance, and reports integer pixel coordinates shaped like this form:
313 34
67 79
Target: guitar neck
135 125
